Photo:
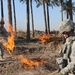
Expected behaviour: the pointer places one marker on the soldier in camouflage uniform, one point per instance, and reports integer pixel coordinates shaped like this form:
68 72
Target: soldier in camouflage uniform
66 61
3 36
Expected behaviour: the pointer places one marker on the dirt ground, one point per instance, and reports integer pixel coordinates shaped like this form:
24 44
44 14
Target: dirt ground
34 50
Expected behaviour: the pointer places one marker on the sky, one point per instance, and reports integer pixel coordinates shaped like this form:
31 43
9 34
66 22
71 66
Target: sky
55 16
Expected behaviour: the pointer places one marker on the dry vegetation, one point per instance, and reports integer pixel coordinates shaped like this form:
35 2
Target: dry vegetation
35 51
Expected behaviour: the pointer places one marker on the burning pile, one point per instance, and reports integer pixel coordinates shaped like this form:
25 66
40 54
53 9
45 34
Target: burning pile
30 63
9 44
45 38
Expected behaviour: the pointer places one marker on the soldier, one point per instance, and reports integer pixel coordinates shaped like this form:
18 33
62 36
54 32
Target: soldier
66 62
3 36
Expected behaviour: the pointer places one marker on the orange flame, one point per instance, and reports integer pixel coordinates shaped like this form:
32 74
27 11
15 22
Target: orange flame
28 63
45 38
9 44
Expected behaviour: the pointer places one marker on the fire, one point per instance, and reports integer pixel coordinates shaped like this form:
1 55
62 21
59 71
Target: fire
29 63
9 44
45 38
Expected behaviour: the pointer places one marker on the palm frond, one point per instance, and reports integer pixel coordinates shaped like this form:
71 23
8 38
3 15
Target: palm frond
23 1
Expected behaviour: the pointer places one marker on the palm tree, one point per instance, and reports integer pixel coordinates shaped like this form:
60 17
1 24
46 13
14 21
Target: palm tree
9 12
48 3
14 15
43 3
67 6
61 1
2 12
32 18
70 10
28 20
48 20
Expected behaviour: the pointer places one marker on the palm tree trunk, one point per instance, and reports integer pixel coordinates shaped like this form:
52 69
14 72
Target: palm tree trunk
14 16
32 18
48 20
70 10
28 21
61 1
2 13
62 15
45 17
9 12
67 15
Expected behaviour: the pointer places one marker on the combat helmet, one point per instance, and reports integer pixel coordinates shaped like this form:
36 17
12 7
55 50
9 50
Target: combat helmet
66 26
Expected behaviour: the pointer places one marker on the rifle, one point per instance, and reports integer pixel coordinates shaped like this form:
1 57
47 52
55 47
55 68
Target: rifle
61 63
